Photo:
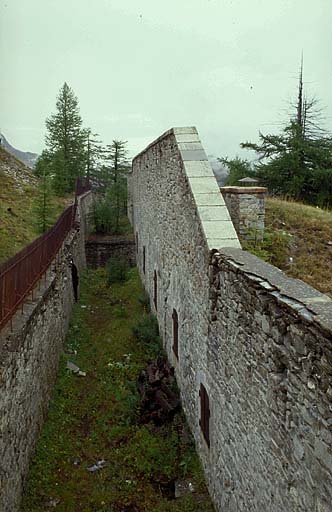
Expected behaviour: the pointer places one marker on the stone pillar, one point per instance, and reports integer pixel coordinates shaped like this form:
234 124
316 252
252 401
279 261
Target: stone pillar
246 206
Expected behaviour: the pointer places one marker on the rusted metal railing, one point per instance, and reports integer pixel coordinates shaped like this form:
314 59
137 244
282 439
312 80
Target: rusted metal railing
19 274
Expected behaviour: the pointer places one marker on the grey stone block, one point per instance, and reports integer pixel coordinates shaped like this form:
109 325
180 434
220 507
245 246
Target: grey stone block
217 213
198 154
197 169
206 185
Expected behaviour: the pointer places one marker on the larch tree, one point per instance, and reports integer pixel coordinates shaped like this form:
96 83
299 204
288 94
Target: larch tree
116 170
43 206
298 161
65 141
93 156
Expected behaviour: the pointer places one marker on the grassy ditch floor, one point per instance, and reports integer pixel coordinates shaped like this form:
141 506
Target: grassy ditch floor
93 454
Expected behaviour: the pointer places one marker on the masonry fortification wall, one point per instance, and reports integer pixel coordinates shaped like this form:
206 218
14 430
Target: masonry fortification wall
258 341
29 355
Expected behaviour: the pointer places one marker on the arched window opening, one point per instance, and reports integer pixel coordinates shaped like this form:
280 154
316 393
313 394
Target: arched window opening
155 290
204 421
175 333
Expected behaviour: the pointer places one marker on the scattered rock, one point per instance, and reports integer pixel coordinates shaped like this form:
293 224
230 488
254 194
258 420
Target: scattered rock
53 502
100 464
72 367
182 488
75 369
159 401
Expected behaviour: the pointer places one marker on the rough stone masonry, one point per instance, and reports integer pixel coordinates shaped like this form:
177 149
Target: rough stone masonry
251 347
29 356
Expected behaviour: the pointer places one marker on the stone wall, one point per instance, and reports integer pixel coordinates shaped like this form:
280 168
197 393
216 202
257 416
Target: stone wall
246 206
29 355
257 341
270 368
100 250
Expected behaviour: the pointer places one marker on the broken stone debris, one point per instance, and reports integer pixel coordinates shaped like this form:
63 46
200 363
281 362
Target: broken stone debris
183 487
159 400
53 502
75 369
100 464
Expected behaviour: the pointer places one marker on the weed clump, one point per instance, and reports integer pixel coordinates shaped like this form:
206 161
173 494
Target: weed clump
147 330
273 248
117 270
144 300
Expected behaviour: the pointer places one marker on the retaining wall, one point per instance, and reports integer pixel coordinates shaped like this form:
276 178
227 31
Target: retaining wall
29 356
258 341
100 250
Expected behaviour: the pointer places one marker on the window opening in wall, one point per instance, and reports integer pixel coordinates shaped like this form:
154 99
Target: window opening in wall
155 289
136 242
175 333
144 259
205 414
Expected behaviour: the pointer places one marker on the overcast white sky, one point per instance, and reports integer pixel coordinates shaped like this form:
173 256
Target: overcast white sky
228 67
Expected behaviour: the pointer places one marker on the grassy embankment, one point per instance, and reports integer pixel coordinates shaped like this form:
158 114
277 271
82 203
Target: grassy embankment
17 195
97 418
298 240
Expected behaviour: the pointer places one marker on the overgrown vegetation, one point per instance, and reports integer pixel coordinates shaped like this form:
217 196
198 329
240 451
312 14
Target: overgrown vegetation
117 270
298 240
96 418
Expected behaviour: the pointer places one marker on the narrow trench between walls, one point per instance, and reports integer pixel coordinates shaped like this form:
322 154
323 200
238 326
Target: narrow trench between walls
108 444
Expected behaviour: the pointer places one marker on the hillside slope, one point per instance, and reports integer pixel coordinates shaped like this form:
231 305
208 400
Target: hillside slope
26 157
298 240
18 189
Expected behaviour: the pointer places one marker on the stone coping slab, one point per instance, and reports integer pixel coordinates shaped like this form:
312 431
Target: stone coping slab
243 190
308 302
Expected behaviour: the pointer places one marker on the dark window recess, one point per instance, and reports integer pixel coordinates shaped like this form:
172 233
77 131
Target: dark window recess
155 290
75 280
144 259
205 414
136 243
175 333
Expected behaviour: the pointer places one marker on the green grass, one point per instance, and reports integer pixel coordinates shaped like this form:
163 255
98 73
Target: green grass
96 417
17 226
298 240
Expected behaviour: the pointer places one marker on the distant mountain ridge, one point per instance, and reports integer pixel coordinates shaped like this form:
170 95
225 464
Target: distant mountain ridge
28 158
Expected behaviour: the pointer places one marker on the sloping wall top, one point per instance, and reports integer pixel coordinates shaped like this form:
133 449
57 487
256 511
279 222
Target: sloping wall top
212 211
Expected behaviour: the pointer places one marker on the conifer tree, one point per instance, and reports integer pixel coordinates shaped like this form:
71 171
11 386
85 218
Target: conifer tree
43 207
65 141
93 155
298 161
116 178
